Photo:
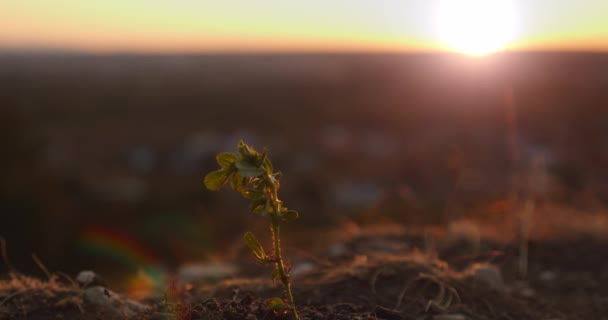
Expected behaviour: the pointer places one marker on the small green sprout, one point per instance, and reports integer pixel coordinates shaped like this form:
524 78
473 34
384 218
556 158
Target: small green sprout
252 175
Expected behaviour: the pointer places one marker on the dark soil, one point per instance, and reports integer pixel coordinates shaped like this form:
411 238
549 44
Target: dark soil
376 275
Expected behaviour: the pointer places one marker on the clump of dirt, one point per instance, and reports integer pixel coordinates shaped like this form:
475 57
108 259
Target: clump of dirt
23 297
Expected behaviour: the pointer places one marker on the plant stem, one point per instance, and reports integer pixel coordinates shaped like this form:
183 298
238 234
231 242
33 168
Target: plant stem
282 272
275 229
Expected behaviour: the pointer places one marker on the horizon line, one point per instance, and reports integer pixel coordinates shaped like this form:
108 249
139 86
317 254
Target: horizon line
84 52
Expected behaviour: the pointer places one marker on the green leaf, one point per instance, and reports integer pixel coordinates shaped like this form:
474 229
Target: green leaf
255 247
268 165
237 183
246 151
225 159
290 215
277 176
258 183
259 206
276 304
216 179
275 274
248 170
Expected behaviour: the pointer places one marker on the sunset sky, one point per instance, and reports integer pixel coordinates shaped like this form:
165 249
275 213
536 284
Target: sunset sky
280 25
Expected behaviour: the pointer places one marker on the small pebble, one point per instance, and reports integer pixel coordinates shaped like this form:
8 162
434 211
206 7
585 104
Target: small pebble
547 276
88 278
111 304
488 275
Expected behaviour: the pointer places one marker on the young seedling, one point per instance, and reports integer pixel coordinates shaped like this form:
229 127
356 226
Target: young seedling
251 174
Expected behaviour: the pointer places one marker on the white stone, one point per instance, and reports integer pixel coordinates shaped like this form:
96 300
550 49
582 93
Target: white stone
85 277
110 304
89 278
197 272
301 268
487 274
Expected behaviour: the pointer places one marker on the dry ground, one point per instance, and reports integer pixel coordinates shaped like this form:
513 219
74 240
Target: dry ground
376 273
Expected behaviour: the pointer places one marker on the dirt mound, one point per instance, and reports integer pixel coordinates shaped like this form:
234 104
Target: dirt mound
23 297
371 276
388 286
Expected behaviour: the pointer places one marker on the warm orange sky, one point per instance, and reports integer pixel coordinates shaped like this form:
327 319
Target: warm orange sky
279 25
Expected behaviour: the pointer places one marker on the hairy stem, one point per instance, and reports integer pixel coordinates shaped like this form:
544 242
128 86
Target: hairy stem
275 229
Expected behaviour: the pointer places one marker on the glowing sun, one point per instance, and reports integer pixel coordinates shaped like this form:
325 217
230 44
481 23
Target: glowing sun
476 27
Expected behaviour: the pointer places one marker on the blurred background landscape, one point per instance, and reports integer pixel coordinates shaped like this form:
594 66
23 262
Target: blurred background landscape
95 145
104 150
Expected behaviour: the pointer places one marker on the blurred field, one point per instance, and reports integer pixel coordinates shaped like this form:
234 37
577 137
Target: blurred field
103 156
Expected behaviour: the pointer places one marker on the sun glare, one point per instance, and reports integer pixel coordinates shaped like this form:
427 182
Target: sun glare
476 27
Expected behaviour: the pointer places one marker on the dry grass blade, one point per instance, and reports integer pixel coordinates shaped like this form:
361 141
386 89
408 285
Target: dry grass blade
9 297
68 278
444 298
5 259
41 266
374 278
446 294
